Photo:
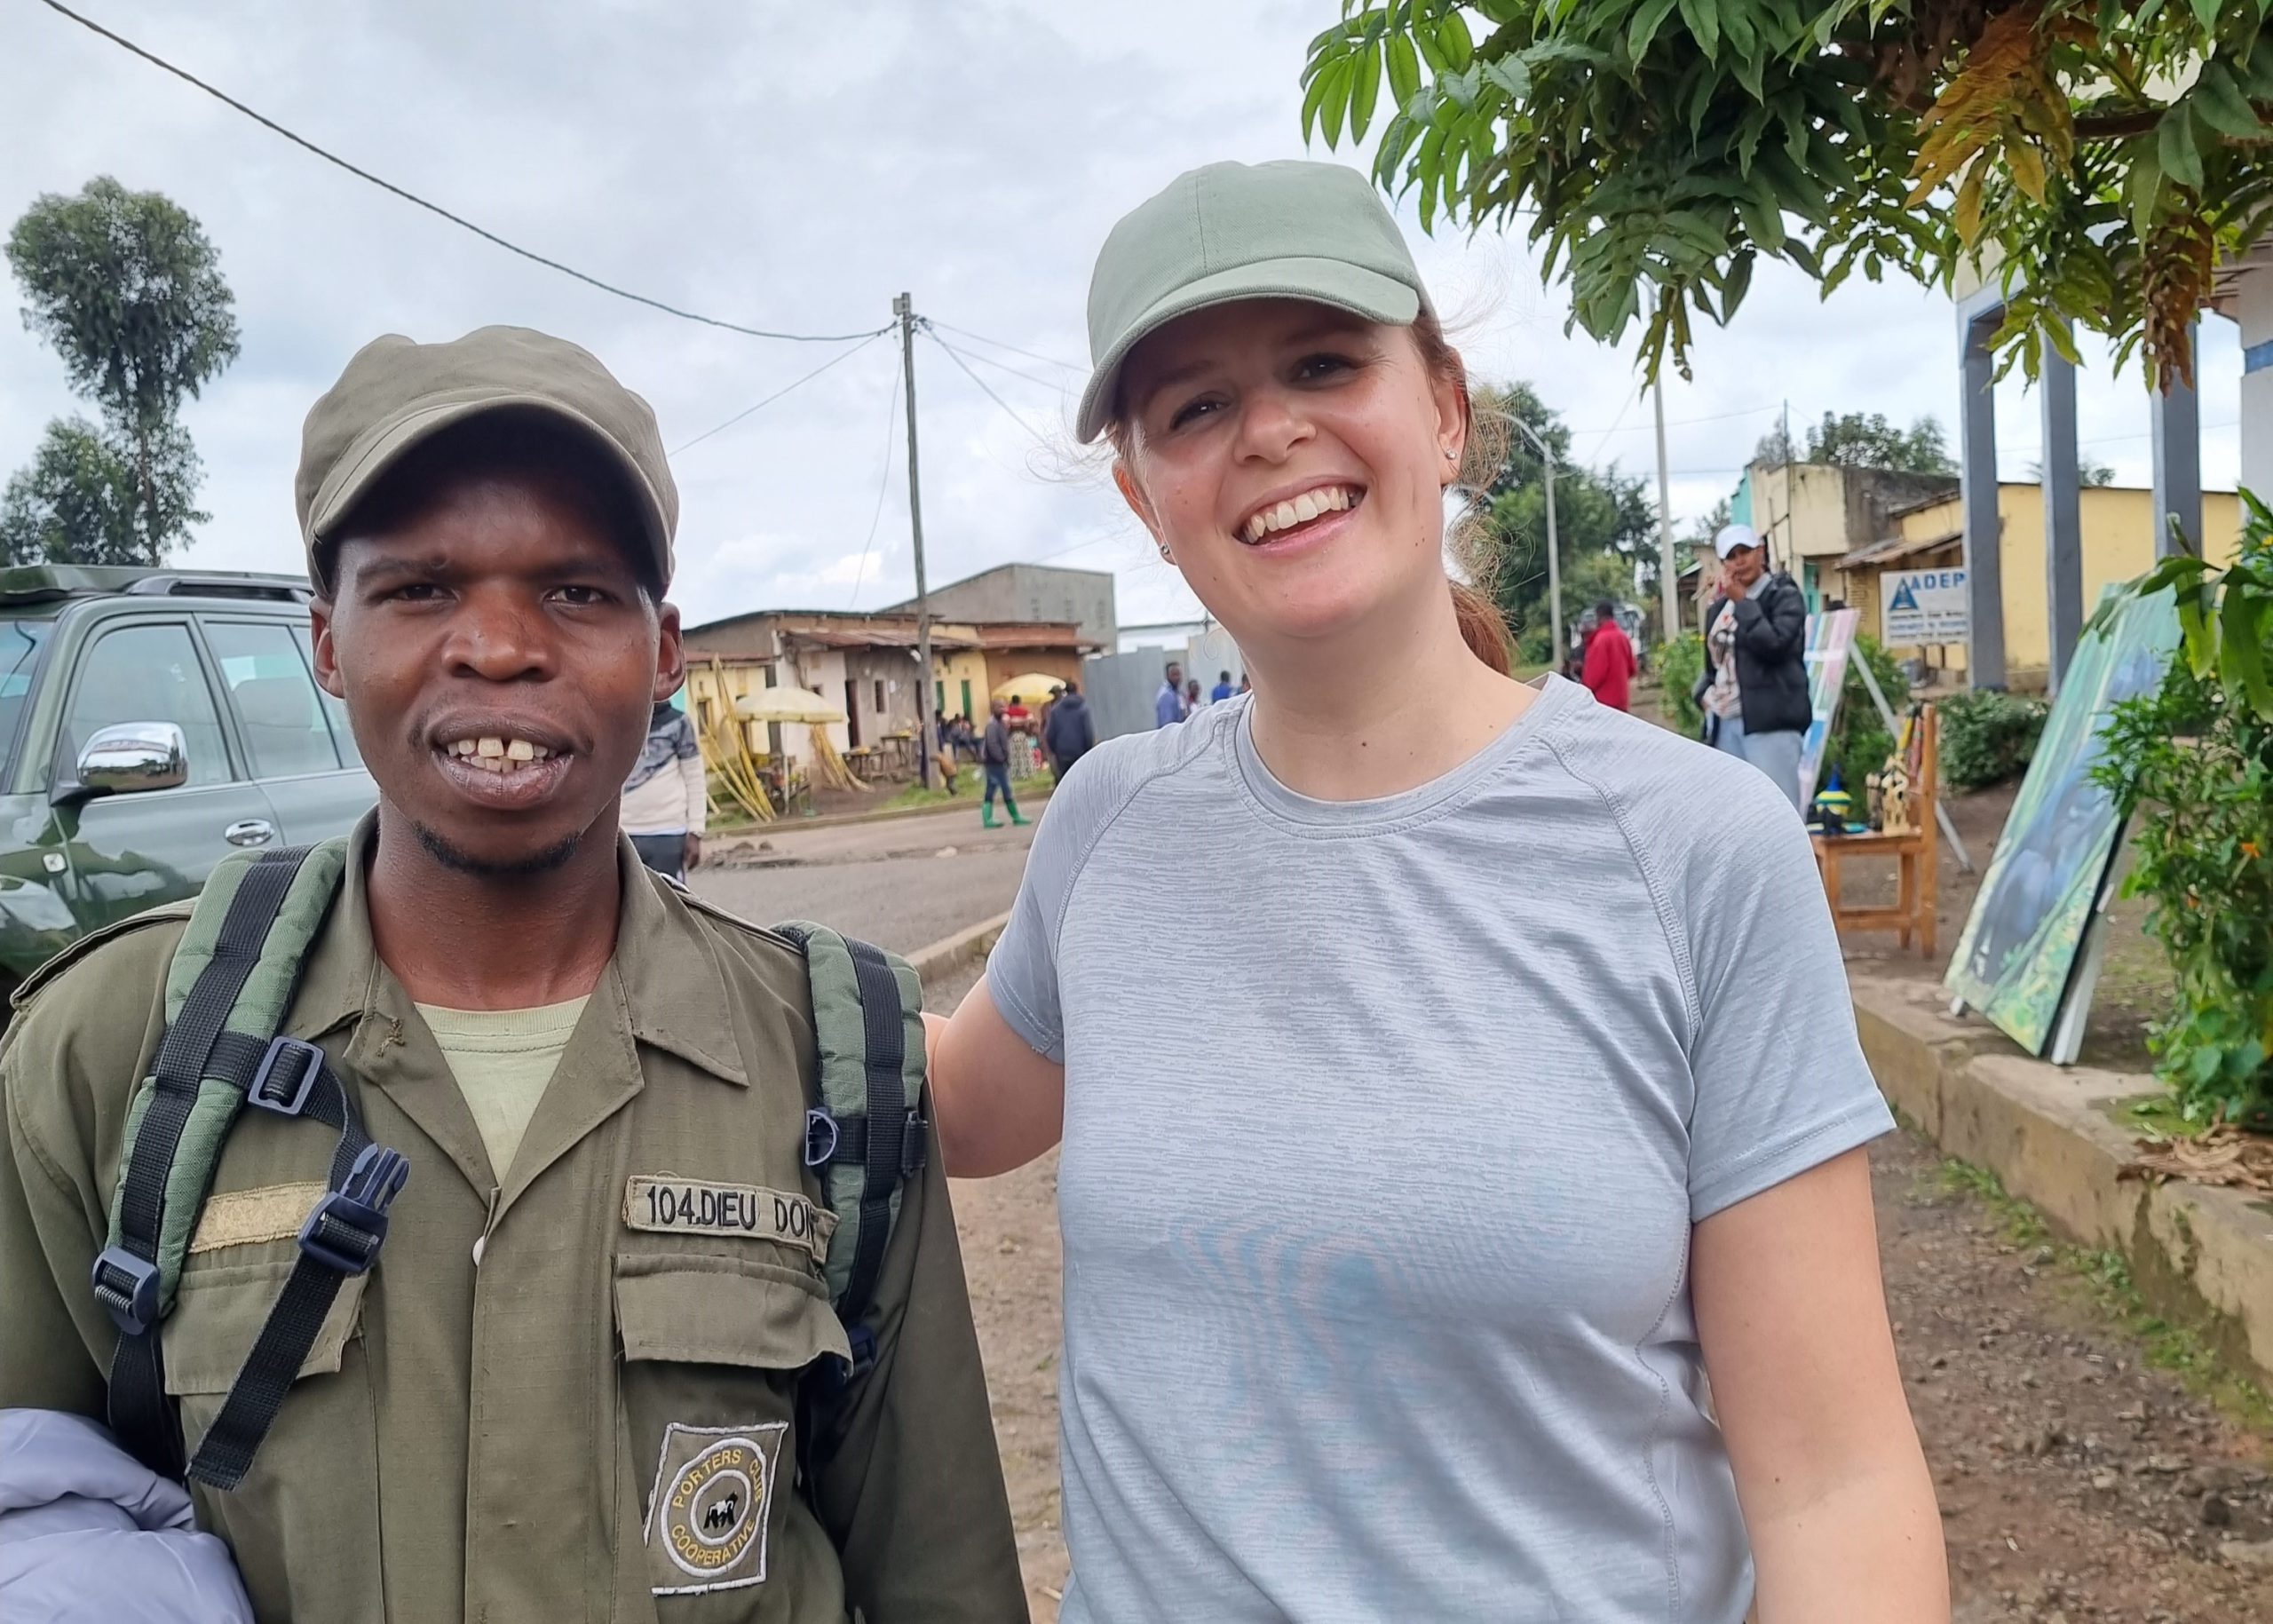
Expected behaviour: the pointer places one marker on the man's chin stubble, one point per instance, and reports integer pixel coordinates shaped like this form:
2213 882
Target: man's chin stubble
542 861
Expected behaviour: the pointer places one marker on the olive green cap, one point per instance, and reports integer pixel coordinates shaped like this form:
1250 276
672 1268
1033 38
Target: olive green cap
1290 230
396 394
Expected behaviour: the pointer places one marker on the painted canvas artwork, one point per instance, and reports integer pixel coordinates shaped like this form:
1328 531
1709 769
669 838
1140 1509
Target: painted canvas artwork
2017 958
1830 638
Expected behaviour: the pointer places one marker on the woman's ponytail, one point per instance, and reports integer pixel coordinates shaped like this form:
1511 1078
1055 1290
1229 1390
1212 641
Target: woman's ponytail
1482 627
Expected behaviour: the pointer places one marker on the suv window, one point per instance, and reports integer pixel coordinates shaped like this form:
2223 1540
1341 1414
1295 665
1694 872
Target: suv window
147 673
282 725
334 711
20 641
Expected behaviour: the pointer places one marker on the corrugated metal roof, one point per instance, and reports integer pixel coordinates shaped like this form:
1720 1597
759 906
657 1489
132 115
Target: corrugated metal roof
1887 549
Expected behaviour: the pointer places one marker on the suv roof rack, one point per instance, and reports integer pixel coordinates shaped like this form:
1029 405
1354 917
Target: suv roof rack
33 584
221 583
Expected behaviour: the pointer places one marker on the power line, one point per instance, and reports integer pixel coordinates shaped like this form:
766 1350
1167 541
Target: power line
121 41
785 389
955 355
1013 348
1054 386
883 481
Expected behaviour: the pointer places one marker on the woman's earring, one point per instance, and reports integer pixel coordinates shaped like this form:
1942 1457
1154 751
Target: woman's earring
1166 556
1450 456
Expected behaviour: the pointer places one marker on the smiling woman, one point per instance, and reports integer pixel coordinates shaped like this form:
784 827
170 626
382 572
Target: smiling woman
1396 1262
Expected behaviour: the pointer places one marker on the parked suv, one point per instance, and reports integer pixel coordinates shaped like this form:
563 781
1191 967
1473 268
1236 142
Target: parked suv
153 720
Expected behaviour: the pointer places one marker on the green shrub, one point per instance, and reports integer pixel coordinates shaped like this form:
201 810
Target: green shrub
1859 742
1988 737
1680 663
2192 763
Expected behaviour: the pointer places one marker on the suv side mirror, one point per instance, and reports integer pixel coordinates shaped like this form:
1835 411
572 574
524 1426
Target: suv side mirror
129 757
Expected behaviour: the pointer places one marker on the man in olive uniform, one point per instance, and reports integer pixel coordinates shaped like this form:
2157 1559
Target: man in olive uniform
577 1384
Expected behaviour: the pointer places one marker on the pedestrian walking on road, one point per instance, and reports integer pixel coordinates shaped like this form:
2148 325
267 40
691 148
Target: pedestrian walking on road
1168 707
995 760
1754 690
666 803
1069 732
604 1367
1396 1261
1609 663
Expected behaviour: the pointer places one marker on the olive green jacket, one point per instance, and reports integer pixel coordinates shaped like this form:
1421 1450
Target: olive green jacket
549 1400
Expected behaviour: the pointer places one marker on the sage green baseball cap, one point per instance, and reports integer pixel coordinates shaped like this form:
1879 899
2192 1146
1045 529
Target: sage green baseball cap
396 394
1289 230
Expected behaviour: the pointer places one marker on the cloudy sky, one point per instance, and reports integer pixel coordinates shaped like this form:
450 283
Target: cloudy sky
794 167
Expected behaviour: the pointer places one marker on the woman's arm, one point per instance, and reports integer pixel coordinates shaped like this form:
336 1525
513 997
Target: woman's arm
998 1104
1791 1315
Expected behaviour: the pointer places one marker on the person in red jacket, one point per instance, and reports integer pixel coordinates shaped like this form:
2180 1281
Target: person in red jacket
1610 659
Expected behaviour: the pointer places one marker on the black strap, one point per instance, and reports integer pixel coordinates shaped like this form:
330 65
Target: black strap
342 1236
140 1413
884 1024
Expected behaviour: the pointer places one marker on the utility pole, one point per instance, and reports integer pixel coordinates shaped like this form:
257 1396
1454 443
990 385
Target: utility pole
1554 551
906 310
1669 581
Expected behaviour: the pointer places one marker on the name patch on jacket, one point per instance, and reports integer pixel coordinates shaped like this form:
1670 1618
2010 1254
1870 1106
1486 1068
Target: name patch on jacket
665 1205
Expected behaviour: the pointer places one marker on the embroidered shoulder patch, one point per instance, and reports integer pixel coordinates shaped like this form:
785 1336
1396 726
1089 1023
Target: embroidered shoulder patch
660 1203
713 1496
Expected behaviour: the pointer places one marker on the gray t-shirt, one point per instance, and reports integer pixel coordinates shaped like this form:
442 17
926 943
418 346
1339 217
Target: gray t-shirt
1386 1123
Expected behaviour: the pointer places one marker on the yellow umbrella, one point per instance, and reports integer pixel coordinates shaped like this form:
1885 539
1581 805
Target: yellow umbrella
786 705
1034 687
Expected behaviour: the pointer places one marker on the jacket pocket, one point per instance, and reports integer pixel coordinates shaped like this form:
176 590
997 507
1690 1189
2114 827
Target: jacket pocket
303 1525
714 1347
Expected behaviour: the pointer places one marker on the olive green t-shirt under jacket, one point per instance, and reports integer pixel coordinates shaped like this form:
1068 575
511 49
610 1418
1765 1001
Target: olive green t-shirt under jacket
504 1060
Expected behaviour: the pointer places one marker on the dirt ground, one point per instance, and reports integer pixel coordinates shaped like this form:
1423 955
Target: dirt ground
2076 1482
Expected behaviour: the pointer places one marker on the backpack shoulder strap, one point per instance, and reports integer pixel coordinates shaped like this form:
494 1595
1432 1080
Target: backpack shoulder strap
866 1135
227 991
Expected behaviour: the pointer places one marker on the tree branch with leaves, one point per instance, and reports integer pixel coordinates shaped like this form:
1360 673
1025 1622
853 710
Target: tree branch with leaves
2100 157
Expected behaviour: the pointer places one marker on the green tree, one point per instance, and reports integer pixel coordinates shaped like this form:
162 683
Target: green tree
1866 440
2104 157
81 501
128 289
1603 521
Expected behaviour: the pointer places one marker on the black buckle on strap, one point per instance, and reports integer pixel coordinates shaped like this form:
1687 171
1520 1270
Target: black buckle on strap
287 1076
915 1147
349 1225
822 1136
127 1287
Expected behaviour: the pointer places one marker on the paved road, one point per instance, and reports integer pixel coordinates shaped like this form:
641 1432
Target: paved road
902 884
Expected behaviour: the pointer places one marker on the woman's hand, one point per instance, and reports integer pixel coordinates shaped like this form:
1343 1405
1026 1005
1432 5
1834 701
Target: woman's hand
996 1102
1791 1315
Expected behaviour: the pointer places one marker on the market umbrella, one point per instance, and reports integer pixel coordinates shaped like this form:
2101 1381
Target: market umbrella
786 705
1034 687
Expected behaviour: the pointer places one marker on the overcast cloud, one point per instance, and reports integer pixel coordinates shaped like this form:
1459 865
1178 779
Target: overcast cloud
794 167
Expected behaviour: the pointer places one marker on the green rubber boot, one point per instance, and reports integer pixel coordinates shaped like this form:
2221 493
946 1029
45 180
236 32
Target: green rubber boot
1017 818
986 814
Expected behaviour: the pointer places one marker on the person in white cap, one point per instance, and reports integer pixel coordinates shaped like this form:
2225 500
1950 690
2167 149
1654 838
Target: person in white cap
1406 1205
1754 690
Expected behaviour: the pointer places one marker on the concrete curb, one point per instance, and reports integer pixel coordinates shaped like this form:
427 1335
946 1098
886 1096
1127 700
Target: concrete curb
959 949
2200 1254
835 820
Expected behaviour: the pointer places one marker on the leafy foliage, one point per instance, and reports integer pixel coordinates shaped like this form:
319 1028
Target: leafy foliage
2193 763
1680 663
81 501
1866 440
1603 521
1988 737
127 289
1859 742
2103 157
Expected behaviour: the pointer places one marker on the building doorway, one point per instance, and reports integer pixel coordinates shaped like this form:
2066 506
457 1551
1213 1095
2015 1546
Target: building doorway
852 713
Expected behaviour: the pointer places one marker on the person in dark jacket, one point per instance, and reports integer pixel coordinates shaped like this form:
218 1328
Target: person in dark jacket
995 761
1068 732
1754 690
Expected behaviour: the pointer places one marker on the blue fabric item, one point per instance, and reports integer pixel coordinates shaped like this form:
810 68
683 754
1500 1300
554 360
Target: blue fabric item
1222 692
90 1535
998 777
1168 707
